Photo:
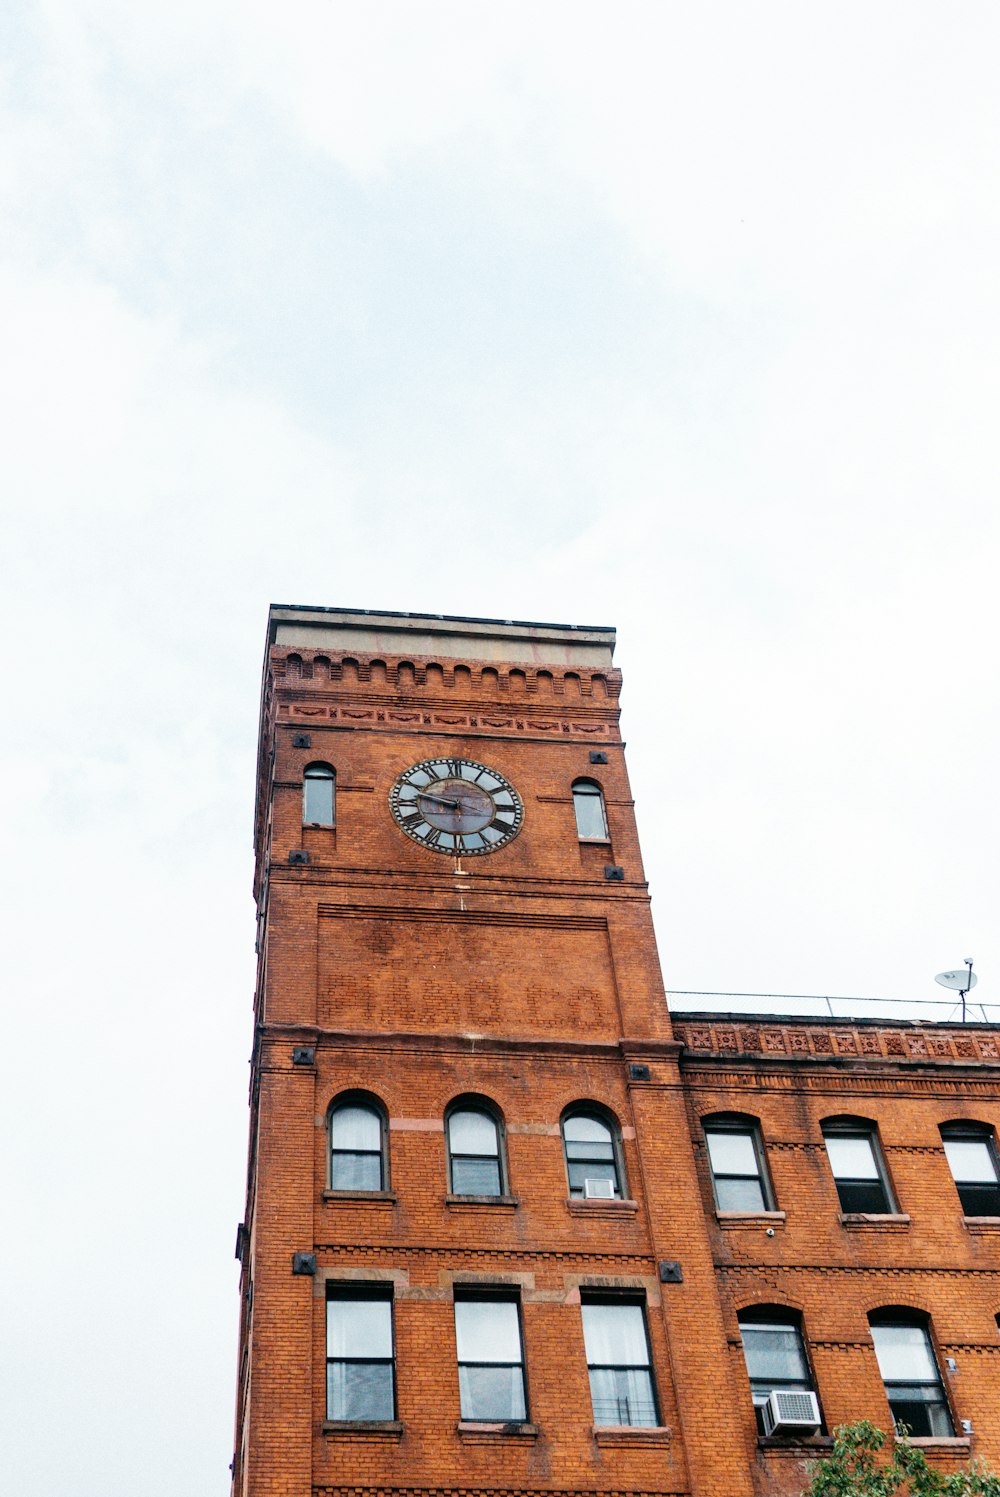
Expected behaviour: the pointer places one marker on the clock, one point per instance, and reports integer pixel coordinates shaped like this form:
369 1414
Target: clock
456 806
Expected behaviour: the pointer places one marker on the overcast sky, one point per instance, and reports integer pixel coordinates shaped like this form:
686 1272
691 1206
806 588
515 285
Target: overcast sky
682 318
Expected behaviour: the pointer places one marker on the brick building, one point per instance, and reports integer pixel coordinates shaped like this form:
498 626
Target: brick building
510 1229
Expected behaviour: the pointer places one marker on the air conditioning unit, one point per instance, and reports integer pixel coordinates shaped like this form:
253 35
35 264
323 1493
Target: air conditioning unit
788 1413
599 1190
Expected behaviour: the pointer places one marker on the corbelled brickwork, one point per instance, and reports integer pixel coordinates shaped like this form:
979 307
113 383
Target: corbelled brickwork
529 978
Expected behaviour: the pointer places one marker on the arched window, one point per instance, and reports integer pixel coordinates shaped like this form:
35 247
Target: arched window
318 801
593 1155
475 1158
775 1355
358 1153
858 1167
588 806
910 1373
736 1155
972 1154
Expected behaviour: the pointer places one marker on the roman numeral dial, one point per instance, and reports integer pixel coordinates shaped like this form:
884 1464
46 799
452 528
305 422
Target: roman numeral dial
456 806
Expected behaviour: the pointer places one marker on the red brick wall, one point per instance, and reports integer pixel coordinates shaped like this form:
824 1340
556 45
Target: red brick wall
528 978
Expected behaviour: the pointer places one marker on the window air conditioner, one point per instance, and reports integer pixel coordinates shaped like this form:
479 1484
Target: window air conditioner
787 1413
599 1190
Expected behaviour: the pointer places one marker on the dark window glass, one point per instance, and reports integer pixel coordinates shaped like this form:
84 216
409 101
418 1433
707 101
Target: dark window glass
356 1148
591 1152
317 795
857 1168
588 804
618 1361
910 1374
490 1358
474 1153
775 1357
359 1354
733 1151
973 1159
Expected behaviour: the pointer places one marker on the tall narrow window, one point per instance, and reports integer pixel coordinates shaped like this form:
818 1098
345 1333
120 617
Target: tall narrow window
490 1357
357 1146
775 1355
856 1162
910 1372
972 1155
588 804
318 795
736 1157
359 1353
592 1156
618 1361
474 1158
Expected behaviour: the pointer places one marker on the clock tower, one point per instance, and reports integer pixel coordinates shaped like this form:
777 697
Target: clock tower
474 1256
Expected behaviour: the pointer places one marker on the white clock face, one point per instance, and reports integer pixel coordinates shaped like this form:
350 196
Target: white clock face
456 806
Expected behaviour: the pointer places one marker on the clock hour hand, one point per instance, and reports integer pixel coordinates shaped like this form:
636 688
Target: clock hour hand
454 805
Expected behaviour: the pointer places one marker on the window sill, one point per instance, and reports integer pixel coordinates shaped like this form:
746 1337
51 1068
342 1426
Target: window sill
616 1435
750 1218
878 1221
373 1197
947 1444
363 1429
594 841
474 1432
617 1207
981 1225
477 1203
793 1445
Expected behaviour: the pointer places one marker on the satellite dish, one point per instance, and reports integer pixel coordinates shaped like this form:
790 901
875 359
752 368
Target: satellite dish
961 982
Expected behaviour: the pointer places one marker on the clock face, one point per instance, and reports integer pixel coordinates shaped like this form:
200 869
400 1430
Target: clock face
456 806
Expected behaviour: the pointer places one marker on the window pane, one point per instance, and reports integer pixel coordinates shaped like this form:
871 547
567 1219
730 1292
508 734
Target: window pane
622 1396
740 1195
866 1196
590 1150
582 1128
356 1127
492 1393
732 1153
358 1328
580 1172
971 1160
355 1172
852 1157
472 1133
317 800
774 1353
980 1200
922 1410
589 808
359 1390
615 1334
904 1353
475 1177
487 1331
